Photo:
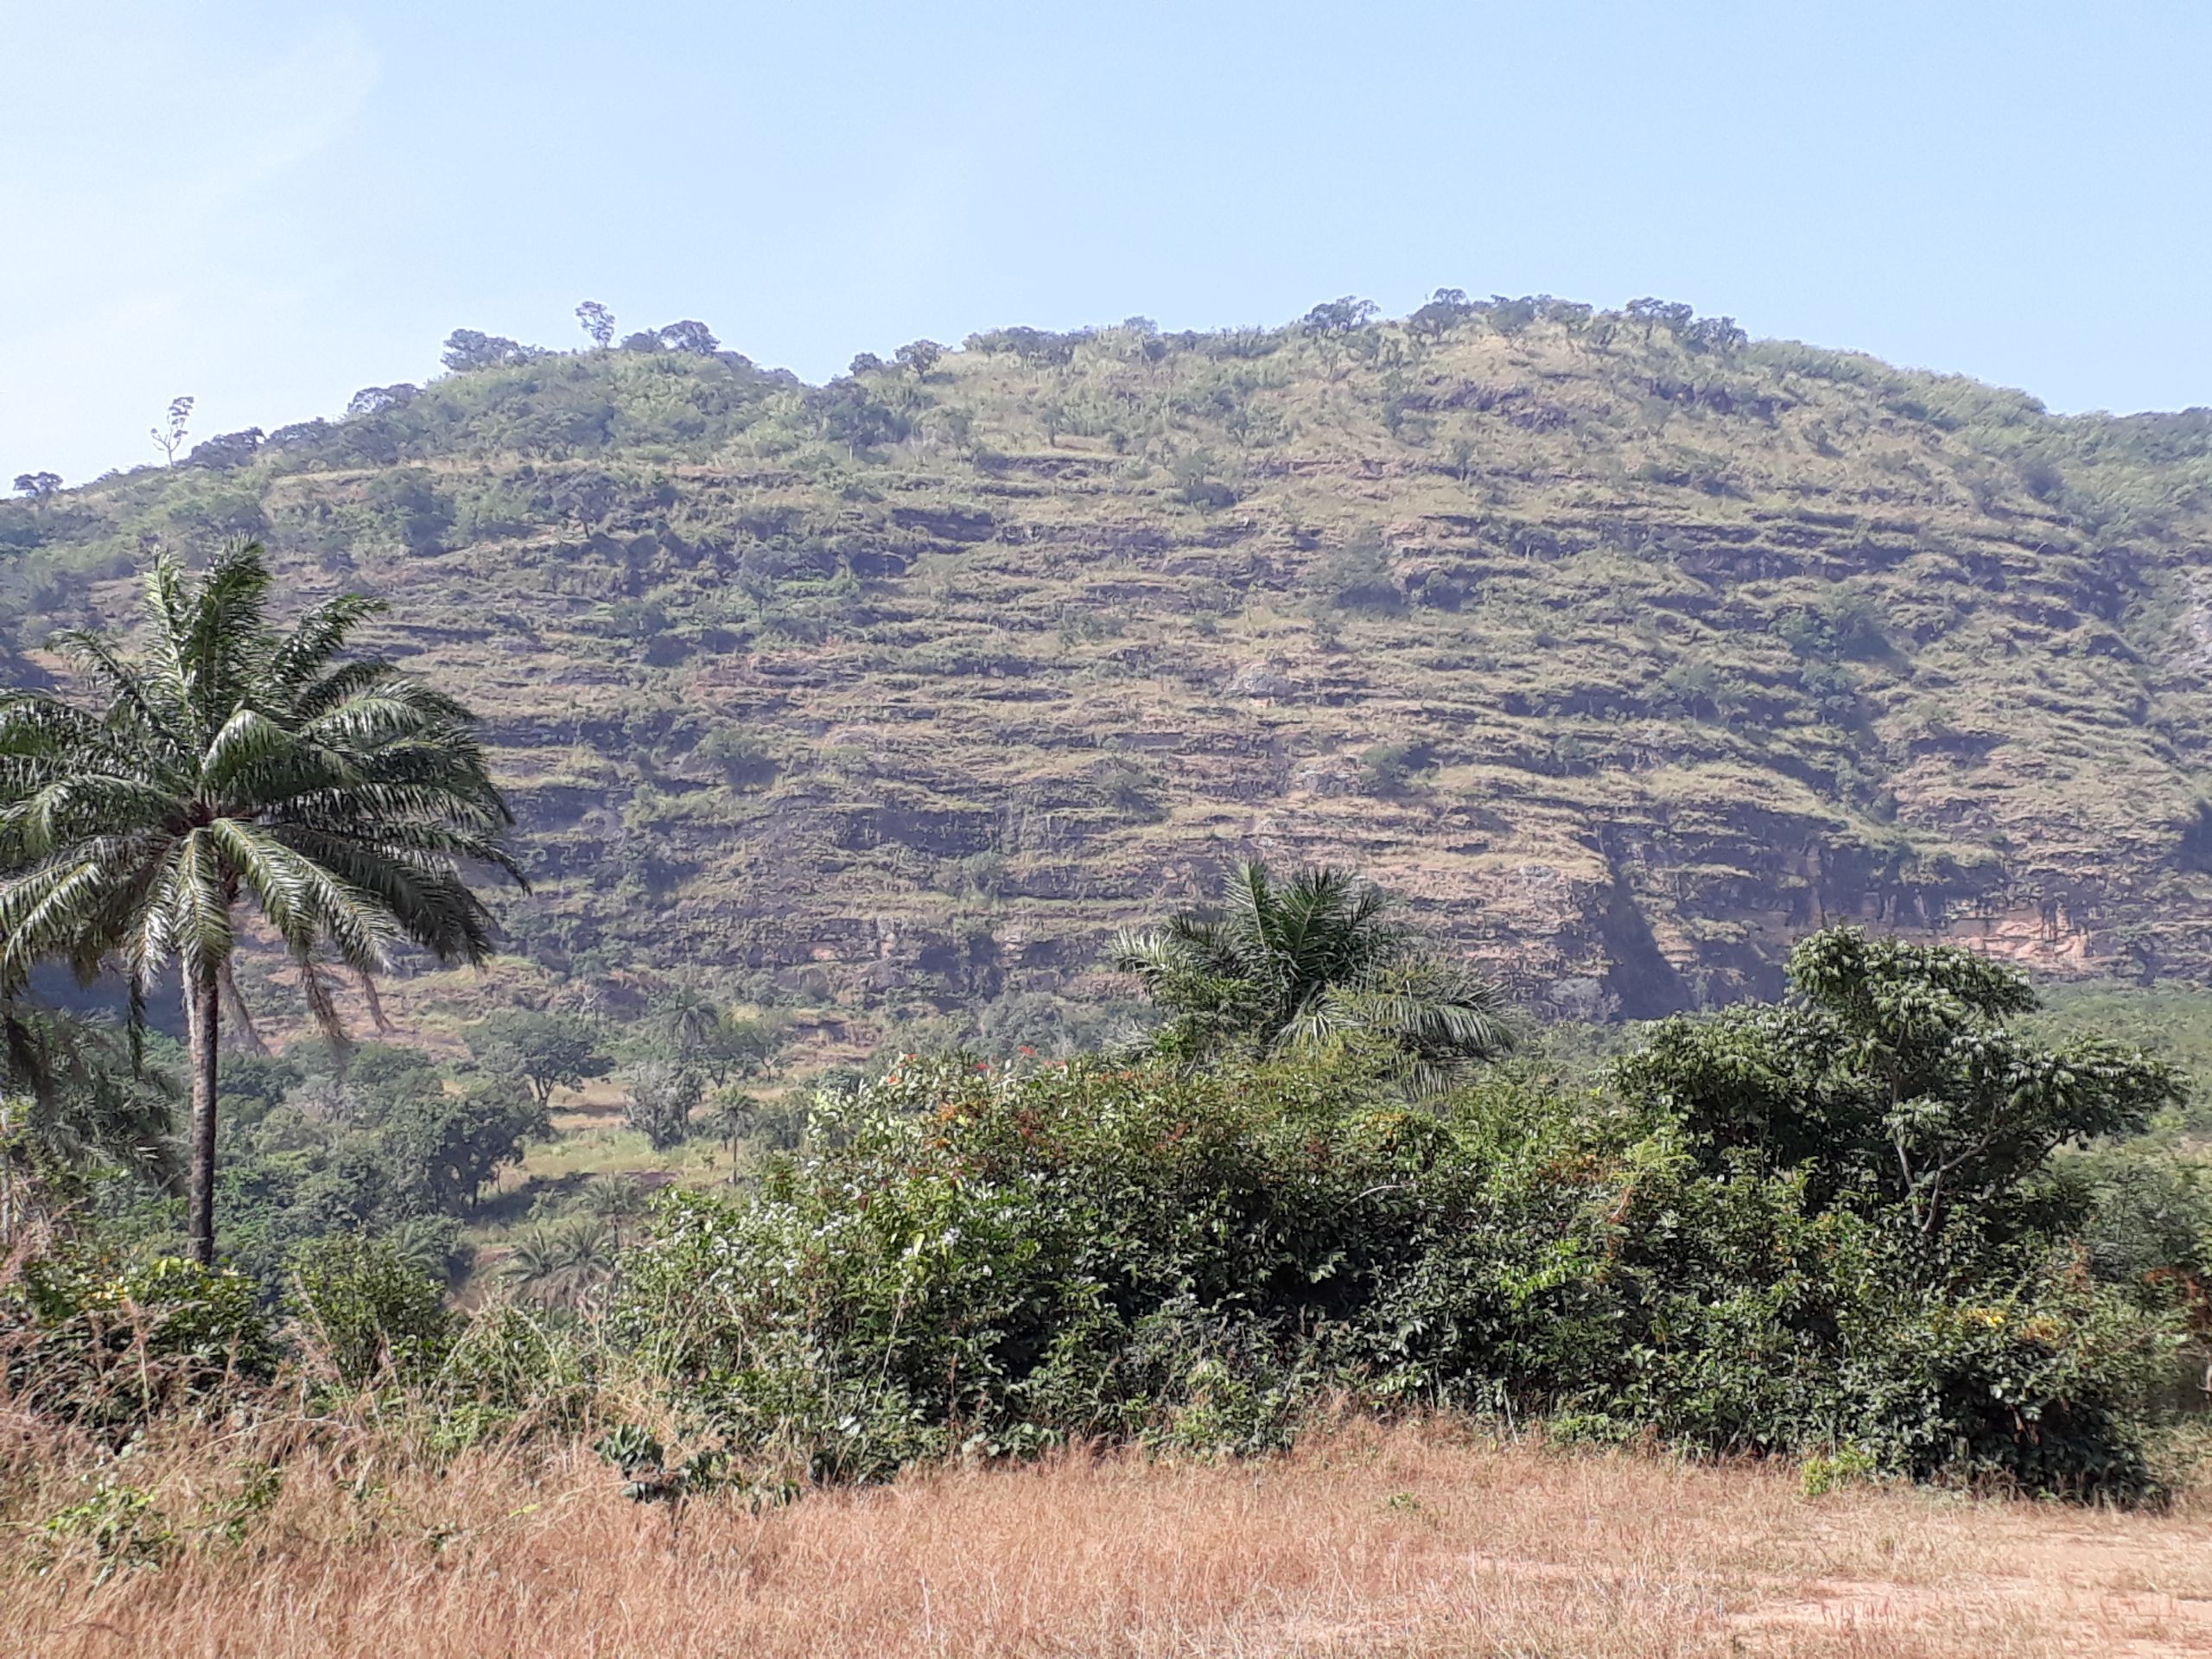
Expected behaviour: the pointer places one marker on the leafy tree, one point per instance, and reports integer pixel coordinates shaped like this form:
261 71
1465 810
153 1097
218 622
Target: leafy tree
695 338
232 764
850 416
1718 334
37 485
1389 768
662 1099
375 400
638 621
919 357
731 1047
1358 576
409 500
1671 315
227 451
1196 484
466 349
1340 316
1891 1081
1312 962
449 1148
546 1050
598 321
744 758
168 437
866 363
1446 309
1511 316
372 1314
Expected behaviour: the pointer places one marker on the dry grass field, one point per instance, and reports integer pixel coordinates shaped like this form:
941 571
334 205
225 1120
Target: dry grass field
1411 1542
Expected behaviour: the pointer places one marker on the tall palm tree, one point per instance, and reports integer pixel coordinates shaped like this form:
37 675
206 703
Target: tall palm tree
1309 961
229 763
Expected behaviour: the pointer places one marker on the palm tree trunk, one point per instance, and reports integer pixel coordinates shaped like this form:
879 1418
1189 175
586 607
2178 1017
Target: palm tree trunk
203 1012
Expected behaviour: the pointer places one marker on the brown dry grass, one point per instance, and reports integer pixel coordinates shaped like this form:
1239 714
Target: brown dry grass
1413 1540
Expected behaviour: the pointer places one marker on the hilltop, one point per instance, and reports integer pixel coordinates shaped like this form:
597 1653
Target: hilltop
1626 648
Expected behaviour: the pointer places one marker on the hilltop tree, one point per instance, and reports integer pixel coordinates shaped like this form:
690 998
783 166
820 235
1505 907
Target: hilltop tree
232 764
226 450
1446 309
1510 317
1340 316
168 437
466 349
37 485
695 338
1309 962
598 321
374 400
1671 315
919 357
1714 334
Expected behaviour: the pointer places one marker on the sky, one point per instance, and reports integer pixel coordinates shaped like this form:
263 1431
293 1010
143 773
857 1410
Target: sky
266 206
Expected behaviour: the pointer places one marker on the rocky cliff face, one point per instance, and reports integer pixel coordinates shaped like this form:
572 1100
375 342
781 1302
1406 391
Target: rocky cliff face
1624 662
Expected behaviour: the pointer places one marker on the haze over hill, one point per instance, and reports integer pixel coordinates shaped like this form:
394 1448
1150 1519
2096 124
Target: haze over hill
1624 647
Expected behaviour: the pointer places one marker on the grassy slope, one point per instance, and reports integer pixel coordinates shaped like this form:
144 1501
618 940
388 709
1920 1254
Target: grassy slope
1094 628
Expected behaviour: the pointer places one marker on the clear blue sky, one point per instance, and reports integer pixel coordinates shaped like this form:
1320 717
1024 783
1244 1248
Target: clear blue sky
267 205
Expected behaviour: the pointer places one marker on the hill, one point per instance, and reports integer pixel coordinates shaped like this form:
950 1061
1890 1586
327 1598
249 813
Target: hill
1624 647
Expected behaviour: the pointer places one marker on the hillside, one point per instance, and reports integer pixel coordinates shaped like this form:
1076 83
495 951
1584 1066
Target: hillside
1625 648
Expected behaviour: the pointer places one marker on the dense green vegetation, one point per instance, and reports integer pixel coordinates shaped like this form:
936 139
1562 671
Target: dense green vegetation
1833 1227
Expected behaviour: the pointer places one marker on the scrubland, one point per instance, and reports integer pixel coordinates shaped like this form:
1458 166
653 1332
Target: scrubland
1425 1538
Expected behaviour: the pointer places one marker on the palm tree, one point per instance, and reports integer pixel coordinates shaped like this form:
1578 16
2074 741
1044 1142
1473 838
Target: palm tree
560 1263
70 1107
227 764
732 1113
1309 962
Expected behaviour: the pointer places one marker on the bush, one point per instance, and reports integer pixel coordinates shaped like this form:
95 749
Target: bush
1092 1250
107 1346
974 1257
368 1312
744 759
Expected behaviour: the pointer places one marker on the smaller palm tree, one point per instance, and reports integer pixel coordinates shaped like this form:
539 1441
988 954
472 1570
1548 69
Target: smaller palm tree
615 1199
70 1107
561 1264
1314 962
732 1115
